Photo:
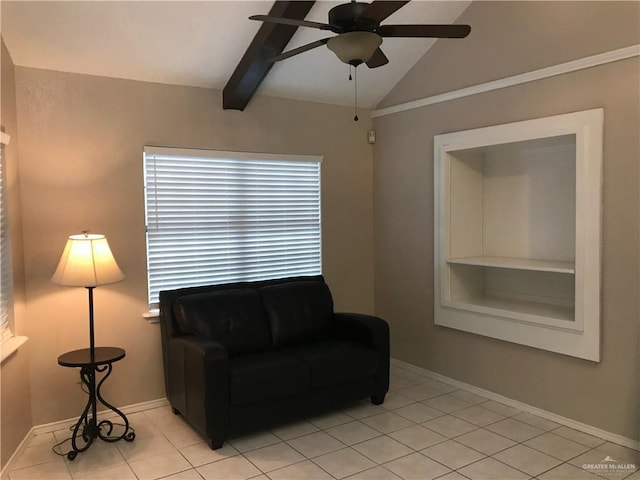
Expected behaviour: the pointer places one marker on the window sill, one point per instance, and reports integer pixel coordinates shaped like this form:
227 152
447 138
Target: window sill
10 346
152 316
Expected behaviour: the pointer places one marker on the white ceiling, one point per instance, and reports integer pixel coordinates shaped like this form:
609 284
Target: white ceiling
200 43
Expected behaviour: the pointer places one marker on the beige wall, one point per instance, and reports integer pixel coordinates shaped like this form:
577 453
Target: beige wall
15 404
81 167
80 144
510 38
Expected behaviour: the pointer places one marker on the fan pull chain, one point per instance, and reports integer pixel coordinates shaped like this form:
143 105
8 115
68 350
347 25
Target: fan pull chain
355 85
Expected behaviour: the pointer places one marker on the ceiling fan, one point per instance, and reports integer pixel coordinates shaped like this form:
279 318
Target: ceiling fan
359 33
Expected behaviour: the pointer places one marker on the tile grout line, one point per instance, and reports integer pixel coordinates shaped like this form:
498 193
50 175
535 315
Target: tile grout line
354 416
563 462
489 395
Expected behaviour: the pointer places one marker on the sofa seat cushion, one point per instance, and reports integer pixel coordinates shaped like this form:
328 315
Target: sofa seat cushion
335 362
258 377
234 318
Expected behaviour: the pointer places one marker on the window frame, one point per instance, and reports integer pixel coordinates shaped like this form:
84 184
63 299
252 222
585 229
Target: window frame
6 280
9 342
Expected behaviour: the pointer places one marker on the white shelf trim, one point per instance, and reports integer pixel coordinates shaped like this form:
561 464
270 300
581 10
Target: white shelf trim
480 300
517 264
560 69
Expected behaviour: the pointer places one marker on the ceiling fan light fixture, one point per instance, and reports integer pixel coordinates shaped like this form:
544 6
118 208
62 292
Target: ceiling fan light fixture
354 48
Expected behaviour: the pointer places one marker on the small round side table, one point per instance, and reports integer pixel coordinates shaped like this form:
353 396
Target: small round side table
88 428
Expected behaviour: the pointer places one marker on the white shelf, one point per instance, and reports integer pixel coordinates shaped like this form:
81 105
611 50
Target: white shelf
517 264
521 308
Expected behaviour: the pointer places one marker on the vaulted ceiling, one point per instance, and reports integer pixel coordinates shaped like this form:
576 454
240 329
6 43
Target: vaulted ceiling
200 44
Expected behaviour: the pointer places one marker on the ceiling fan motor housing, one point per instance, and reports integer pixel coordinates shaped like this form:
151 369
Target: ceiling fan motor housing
347 18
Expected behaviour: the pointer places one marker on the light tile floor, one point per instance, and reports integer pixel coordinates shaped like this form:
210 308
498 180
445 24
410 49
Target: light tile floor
425 430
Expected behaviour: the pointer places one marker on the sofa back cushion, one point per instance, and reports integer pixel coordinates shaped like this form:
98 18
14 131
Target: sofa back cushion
234 318
298 312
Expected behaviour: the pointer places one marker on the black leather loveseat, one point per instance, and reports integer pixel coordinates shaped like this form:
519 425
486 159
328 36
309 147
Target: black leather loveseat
242 357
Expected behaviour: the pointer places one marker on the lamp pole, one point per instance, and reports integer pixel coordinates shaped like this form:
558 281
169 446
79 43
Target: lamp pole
93 426
92 345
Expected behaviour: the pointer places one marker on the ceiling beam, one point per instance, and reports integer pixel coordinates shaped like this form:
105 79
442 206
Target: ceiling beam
270 41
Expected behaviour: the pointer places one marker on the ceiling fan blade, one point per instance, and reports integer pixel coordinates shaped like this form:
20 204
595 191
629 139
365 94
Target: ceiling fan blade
378 59
427 31
378 10
290 21
296 51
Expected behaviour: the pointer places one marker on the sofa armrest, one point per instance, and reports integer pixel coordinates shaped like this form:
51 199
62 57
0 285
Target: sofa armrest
199 384
371 331
366 329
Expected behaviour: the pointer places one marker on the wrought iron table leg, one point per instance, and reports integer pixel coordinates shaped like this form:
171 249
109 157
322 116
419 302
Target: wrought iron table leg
128 433
84 426
87 427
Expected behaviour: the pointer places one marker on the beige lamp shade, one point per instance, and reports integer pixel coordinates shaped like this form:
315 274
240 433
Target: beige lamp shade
87 261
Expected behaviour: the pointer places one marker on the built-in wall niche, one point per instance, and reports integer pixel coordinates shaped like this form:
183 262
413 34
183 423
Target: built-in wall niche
517 247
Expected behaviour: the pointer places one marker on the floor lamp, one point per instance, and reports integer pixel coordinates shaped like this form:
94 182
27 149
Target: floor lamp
87 262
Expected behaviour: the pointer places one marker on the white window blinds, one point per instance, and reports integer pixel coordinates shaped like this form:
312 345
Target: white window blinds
6 276
217 217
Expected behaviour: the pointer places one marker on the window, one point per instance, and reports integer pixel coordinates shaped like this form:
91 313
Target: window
216 217
6 281
9 343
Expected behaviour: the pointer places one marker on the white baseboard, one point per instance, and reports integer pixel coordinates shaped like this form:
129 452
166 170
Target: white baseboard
129 409
21 446
54 426
161 402
568 422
